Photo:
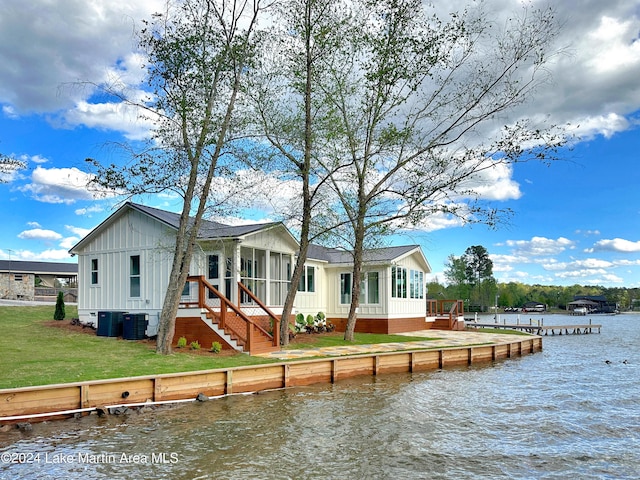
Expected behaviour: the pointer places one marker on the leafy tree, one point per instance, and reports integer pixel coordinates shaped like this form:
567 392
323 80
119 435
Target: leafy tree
410 94
478 265
59 312
456 275
472 270
290 114
198 54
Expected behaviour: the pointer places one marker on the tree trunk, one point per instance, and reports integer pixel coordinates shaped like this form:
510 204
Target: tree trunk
291 294
358 250
305 169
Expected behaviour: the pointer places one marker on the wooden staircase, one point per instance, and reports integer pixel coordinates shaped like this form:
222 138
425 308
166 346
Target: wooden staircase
261 342
449 314
231 325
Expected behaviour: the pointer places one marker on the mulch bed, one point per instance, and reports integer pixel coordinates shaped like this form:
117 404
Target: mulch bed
71 326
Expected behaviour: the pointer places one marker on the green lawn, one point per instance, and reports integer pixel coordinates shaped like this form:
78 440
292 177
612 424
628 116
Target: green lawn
32 353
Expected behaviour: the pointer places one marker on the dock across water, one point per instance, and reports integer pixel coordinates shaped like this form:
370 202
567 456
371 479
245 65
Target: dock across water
540 329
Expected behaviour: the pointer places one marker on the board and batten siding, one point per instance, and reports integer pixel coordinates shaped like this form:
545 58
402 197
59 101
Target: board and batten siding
388 307
271 240
335 309
130 234
407 307
310 303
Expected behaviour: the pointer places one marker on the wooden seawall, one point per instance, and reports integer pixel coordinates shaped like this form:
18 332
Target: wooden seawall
39 403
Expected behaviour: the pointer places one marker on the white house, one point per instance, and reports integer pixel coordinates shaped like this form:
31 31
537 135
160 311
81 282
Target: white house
124 266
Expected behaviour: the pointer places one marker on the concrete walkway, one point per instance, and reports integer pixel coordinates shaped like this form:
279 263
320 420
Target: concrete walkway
433 339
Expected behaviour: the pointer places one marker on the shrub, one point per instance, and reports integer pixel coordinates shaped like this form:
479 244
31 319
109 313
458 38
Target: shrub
195 345
182 342
59 314
216 347
301 324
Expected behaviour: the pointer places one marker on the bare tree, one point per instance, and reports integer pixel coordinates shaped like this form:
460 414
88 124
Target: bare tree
292 114
417 100
198 52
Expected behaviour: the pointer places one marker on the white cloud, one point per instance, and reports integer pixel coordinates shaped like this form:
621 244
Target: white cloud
78 231
611 46
605 280
9 111
89 210
583 273
49 44
110 116
540 246
588 232
495 183
625 263
606 125
61 185
69 242
33 159
615 245
440 221
39 234
50 255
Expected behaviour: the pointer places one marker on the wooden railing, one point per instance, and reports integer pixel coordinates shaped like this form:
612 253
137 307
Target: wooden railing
246 334
451 309
275 321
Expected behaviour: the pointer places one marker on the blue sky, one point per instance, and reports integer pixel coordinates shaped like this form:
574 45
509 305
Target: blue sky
575 222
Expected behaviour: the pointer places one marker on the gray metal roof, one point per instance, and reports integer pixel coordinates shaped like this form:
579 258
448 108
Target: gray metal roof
374 255
49 268
208 229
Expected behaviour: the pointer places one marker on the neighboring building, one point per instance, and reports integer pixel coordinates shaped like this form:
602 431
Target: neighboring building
592 304
534 307
125 262
18 279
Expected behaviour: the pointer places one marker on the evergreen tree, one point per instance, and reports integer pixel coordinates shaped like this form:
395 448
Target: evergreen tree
59 314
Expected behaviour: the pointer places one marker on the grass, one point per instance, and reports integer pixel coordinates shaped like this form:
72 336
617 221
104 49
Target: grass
32 353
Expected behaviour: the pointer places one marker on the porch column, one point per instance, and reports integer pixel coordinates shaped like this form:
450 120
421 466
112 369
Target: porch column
235 269
267 274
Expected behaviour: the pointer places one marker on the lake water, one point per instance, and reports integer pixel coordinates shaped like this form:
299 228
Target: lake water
561 413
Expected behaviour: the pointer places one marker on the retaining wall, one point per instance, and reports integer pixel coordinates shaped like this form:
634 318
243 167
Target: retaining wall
44 402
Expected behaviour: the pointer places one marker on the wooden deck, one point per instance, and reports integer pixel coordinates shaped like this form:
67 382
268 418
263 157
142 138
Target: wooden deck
542 329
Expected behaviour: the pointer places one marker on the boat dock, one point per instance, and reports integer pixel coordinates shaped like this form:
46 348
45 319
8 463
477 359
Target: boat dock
539 328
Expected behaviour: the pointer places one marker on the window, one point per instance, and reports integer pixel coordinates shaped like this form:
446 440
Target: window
308 279
398 282
214 268
94 271
228 272
17 277
416 284
280 277
345 288
186 291
134 276
213 273
369 288
253 273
